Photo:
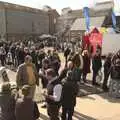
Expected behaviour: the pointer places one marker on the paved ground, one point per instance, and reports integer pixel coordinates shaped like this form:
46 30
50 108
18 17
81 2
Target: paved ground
89 107
93 107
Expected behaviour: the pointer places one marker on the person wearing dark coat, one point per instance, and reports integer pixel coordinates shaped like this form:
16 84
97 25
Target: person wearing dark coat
55 63
69 93
21 55
76 68
7 103
41 56
34 56
65 70
86 64
26 108
107 67
12 50
96 66
2 55
66 53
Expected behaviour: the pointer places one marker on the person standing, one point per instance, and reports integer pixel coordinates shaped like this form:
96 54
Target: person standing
21 55
55 63
2 55
7 102
26 104
69 93
66 53
12 50
53 95
96 66
86 64
107 67
27 75
41 56
76 69
42 72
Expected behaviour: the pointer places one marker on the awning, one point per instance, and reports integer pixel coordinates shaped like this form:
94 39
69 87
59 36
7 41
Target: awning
44 36
80 24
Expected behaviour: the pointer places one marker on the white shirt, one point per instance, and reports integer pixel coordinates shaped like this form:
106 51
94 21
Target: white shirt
57 91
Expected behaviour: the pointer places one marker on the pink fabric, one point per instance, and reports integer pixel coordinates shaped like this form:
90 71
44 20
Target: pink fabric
86 41
96 39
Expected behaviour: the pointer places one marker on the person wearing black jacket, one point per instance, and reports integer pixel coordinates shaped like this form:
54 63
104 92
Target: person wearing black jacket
7 102
66 53
107 67
69 93
96 66
26 108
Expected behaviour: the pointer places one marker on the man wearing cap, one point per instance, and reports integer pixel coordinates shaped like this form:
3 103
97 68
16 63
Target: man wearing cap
27 75
53 95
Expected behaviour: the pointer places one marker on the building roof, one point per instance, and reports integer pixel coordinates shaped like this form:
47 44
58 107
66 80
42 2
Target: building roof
12 6
80 24
79 13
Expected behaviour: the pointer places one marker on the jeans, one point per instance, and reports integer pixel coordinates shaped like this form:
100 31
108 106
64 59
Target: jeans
67 113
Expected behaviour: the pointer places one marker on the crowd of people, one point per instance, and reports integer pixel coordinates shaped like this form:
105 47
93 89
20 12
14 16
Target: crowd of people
34 63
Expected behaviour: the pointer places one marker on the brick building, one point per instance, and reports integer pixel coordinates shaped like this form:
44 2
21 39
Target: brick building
20 22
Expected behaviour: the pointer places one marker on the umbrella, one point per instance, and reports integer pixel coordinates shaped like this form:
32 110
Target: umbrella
44 36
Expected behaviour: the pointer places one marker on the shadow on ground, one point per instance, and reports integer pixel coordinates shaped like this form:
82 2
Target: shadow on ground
77 116
110 98
80 116
88 89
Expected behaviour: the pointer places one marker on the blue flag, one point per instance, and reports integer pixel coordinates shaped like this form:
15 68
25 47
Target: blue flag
113 19
86 15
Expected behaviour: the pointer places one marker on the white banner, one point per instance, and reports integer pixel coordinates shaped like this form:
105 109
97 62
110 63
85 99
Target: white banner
110 43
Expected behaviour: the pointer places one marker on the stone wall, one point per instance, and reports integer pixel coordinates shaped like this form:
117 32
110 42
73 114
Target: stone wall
20 22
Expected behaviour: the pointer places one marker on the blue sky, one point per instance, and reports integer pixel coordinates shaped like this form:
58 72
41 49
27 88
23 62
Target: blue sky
59 4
